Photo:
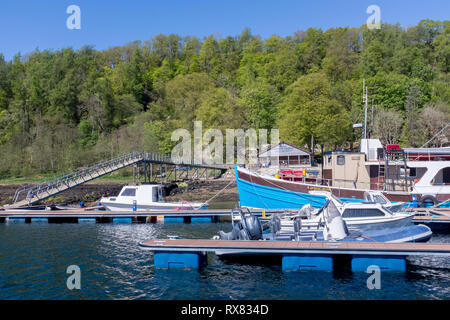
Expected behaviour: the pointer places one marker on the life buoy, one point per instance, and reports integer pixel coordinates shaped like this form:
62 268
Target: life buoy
428 199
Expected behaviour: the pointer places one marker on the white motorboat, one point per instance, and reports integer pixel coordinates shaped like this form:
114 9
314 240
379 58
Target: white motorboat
146 197
357 215
376 213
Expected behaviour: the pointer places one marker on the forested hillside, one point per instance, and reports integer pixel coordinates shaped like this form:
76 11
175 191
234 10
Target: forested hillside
60 110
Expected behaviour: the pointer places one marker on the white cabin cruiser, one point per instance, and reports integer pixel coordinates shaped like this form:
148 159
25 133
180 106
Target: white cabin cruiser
146 197
357 215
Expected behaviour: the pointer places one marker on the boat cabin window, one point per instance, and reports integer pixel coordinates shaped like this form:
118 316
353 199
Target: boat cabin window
341 160
362 213
129 192
442 177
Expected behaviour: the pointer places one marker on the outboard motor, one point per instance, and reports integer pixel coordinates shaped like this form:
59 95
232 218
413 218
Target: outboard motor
253 227
248 228
335 227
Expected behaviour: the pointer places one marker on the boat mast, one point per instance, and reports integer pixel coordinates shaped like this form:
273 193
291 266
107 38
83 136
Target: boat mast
365 108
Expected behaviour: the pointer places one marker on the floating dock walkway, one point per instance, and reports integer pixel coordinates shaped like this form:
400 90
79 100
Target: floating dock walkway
98 214
295 255
93 214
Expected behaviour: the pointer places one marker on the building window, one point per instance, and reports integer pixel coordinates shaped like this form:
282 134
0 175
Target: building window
341 160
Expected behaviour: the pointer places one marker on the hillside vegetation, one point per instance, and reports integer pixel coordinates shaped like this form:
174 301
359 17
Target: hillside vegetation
60 110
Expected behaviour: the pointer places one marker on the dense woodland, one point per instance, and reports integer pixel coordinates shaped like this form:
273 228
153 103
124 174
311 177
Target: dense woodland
60 110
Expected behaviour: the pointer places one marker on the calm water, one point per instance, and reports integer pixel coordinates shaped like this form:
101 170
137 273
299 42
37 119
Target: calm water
34 259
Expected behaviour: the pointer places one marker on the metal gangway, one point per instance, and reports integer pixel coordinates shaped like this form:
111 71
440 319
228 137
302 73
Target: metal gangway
34 194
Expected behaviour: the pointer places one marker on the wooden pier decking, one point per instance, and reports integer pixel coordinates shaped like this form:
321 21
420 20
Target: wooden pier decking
289 247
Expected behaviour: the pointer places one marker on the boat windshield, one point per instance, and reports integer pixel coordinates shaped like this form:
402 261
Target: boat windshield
378 198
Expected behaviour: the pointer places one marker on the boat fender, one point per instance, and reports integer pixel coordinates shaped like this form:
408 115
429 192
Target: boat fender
426 199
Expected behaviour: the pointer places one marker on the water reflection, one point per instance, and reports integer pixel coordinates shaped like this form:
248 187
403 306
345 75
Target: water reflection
34 259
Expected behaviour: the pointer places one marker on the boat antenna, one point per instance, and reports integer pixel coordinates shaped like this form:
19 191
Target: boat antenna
365 101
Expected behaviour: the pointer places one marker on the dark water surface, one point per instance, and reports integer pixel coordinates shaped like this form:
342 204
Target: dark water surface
34 259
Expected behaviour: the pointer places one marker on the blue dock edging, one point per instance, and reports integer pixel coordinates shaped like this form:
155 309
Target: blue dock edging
307 262
385 263
295 256
181 260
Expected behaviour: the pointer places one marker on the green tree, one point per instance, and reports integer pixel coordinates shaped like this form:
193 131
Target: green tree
308 109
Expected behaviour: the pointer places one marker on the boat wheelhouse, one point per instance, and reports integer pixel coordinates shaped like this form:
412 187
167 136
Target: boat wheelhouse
147 197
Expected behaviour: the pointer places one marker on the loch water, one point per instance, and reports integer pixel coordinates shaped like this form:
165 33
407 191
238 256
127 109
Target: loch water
34 259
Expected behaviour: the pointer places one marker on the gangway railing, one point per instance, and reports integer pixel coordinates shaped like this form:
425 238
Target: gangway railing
30 195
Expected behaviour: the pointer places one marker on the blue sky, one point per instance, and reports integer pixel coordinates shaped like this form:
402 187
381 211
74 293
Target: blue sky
27 25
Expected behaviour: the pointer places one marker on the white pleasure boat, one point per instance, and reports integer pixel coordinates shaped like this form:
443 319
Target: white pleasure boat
146 197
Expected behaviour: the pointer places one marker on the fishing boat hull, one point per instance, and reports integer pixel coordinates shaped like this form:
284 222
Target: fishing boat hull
265 192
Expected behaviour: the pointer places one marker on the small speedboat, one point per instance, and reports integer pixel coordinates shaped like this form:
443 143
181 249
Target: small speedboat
146 197
334 229
357 215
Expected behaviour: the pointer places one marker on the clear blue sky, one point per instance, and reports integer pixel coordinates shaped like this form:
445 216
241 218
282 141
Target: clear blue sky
27 25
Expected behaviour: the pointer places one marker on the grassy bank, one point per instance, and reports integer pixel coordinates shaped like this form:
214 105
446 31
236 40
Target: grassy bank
108 179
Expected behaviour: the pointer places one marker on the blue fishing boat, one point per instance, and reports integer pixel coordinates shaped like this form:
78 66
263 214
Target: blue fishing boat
267 192
417 177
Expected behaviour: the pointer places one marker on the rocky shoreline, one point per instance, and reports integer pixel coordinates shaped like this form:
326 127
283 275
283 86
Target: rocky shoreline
199 190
